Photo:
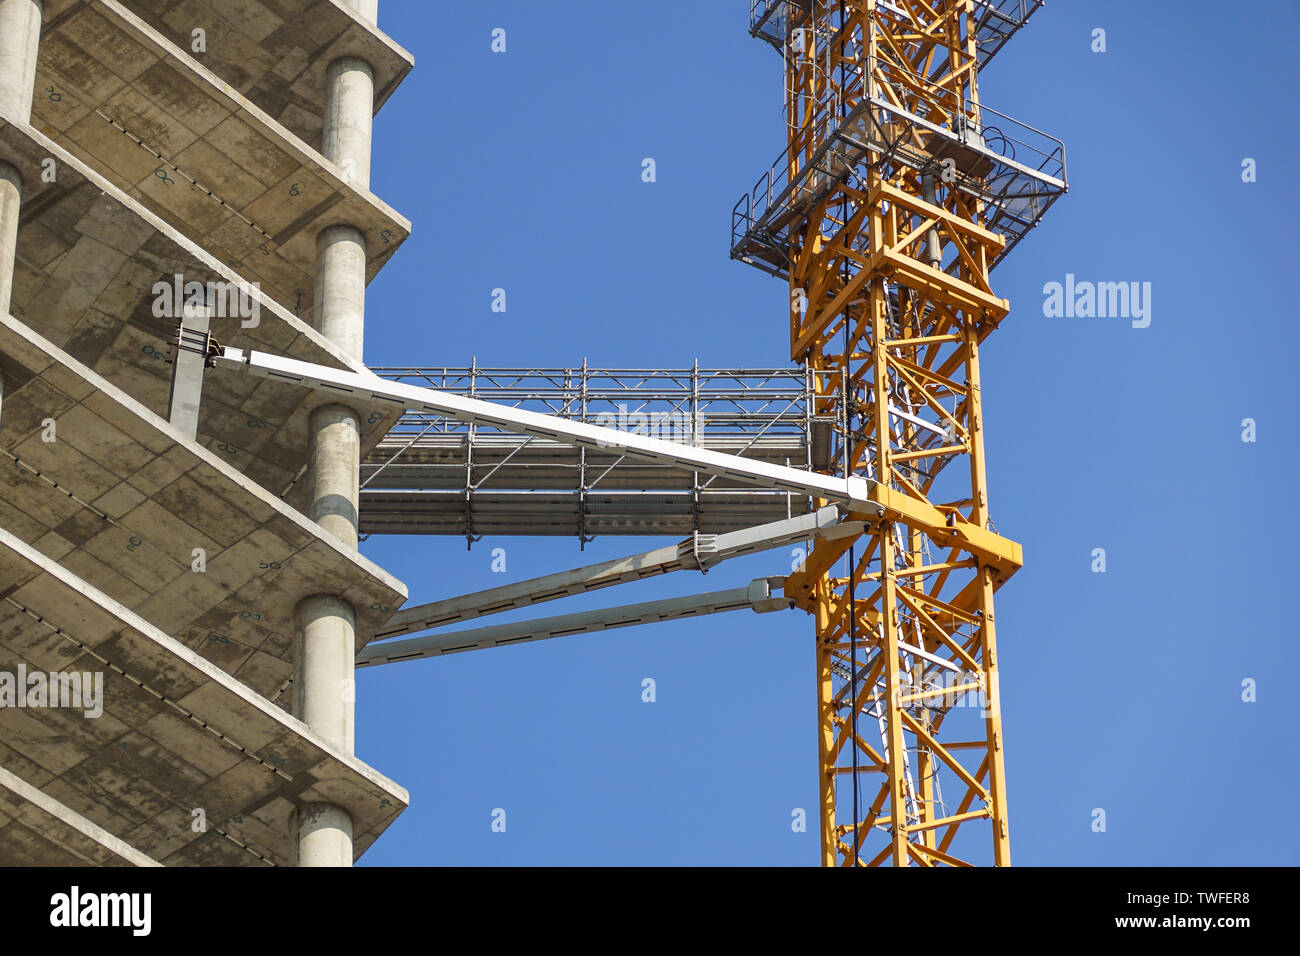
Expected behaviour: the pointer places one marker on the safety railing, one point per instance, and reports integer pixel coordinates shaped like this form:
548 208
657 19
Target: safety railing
997 21
692 404
1014 170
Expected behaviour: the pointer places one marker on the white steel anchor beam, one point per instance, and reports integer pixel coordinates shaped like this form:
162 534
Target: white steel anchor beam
757 597
702 553
853 492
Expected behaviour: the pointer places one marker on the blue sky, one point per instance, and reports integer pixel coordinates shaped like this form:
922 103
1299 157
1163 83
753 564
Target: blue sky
1121 690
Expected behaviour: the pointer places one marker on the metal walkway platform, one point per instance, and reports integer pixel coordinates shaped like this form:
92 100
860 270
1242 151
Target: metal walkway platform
434 475
996 21
1015 173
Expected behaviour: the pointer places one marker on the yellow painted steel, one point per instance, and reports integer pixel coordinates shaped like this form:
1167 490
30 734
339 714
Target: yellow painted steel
890 301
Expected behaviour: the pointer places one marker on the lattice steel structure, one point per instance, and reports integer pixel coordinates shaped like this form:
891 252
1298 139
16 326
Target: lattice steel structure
436 475
896 195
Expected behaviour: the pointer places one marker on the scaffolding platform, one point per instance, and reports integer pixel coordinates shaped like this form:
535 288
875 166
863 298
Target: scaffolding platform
434 475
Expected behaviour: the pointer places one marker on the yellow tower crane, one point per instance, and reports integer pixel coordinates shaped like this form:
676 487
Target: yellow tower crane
896 195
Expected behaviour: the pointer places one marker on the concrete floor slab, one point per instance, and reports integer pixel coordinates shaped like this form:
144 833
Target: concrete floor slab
37 830
192 149
176 734
276 52
88 259
164 497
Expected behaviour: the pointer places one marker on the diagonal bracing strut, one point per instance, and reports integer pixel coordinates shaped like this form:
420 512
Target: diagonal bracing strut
853 492
860 497
699 553
757 597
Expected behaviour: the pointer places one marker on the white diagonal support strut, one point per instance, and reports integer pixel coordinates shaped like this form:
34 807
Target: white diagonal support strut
757 597
699 553
853 492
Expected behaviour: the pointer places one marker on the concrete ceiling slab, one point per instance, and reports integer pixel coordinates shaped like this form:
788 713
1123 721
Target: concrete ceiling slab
192 149
88 259
275 52
122 499
175 734
37 830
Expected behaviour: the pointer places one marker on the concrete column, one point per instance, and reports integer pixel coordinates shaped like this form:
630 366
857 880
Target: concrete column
323 688
20 37
366 9
324 835
11 195
323 699
349 110
326 625
336 462
341 288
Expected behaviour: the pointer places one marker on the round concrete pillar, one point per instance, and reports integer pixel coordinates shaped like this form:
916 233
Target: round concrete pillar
323 690
341 288
335 465
349 111
20 37
324 835
366 9
326 625
11 196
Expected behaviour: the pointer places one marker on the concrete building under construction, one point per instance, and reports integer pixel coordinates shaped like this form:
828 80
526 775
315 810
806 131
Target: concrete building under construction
193 446
169 162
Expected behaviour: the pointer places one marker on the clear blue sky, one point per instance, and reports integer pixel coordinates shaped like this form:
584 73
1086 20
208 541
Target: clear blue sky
1121 690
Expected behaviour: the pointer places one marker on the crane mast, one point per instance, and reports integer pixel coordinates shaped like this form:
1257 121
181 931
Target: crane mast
896 195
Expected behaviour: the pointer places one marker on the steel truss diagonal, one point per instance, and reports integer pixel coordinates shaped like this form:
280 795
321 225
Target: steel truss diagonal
897 193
